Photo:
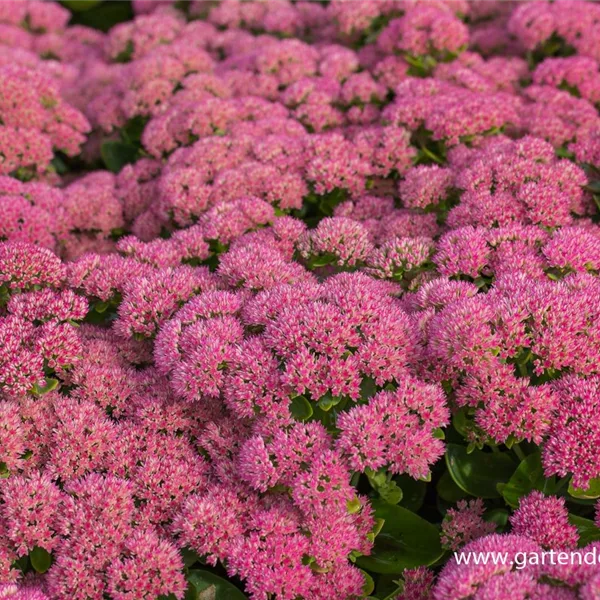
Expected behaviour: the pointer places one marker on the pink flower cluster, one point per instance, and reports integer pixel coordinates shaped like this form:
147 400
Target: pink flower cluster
504 353
464 523
36 122
572 23
539 524
328 232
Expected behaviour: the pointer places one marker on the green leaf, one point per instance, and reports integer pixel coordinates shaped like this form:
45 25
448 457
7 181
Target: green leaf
404 542
388 587
387 488
413 492
592 491
301 408
439 434
478 473
379 523
133 130
104 15
51 384
101 307
562 152
353 506
431 156
23 563
329 200
327 402
390 492
118 154
448 490
587 529
59 165
190 557
461 421
205 585
80 5
40 559
368 388
528 476
593 187
499 516
369 584
321 260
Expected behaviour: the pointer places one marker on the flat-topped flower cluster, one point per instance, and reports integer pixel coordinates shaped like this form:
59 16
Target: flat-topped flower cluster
280 281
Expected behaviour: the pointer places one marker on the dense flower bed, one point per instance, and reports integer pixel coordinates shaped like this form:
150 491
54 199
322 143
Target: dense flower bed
297 299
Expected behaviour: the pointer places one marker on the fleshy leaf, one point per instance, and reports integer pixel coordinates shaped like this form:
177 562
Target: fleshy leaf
405 541
478 473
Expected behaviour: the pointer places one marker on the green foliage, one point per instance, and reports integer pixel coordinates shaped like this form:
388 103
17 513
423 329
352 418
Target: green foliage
369 586
388 587
552 47
80 5
116 154
301 408
318 206
498 516
478 473
590 493
448 490
587 529
103 15
40 559
384 485
190 558
413 492
528 476
405 541
206 585
51 384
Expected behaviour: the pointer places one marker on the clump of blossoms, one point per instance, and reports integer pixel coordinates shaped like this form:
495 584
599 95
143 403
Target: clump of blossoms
425 31
312 520
504 353
39 340
446 114
563 28
576 74
351 328
459 582
36 34
417 584
329 314
396 430
162 54
557 115
91 489
520 181
29 212
544 520
574 431
331 320
464 524
480 255
336 240
402 259
471 71
384 221
149 300
36 122
221 371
